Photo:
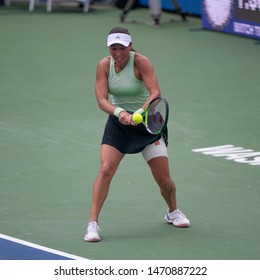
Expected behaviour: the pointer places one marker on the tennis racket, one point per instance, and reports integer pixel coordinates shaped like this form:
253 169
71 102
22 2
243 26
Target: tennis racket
155 116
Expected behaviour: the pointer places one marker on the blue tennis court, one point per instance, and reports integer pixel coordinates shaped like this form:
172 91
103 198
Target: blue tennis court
16 249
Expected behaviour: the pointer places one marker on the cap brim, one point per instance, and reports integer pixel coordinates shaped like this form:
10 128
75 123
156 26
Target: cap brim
120 42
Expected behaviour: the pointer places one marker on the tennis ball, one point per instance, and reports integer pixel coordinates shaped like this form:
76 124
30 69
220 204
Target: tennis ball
137 118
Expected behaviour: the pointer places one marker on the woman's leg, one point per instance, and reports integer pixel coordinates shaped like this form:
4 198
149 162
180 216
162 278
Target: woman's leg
160 170
110 159
157 158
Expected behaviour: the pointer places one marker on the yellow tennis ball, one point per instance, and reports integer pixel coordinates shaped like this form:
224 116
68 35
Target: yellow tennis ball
137 118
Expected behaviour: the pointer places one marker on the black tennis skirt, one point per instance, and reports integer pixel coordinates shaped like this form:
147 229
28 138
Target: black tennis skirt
129 139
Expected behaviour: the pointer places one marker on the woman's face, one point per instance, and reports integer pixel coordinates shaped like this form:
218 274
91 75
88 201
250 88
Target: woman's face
120 54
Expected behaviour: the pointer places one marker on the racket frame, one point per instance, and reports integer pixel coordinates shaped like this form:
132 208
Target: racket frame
145 114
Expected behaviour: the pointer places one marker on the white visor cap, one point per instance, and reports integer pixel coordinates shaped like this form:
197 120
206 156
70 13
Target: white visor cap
119 38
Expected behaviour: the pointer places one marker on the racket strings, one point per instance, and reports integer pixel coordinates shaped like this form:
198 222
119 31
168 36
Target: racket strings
157 117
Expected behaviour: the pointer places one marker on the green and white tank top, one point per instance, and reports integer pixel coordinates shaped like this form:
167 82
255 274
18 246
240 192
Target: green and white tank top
125 90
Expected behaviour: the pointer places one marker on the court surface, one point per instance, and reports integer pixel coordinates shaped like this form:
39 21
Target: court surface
16 249
51 129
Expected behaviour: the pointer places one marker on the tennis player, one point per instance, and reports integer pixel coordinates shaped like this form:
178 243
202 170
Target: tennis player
125 83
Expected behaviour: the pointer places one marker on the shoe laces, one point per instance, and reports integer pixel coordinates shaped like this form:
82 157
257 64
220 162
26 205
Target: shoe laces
177 214
93 227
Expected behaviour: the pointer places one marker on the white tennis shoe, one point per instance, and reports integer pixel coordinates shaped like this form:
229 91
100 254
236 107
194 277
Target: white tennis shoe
92 232
177 218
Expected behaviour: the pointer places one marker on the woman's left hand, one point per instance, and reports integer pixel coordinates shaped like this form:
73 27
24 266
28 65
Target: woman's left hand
126 119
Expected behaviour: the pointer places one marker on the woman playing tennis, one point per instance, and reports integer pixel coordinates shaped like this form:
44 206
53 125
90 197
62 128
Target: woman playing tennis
125 83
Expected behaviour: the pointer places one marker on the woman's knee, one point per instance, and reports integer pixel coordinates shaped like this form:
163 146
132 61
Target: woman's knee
106 170
166 184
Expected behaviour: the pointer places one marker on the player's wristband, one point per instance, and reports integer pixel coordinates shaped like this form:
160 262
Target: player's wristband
139 111
117 111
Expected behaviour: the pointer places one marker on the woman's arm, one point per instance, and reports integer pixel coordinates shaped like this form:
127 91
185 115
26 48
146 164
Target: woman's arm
147 74
101 86
101 90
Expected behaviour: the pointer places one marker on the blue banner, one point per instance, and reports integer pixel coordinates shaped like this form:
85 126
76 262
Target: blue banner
240 17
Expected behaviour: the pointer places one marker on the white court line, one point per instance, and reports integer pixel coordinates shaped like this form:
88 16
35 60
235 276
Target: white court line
39 247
